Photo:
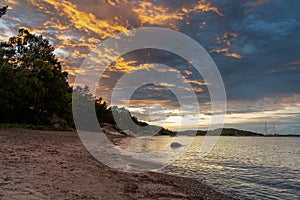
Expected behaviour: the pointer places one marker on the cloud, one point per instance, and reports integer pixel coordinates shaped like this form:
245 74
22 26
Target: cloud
256 5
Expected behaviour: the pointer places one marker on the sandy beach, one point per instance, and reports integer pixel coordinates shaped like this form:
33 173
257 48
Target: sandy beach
55 165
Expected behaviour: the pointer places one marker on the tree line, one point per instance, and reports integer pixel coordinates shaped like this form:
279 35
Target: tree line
34 88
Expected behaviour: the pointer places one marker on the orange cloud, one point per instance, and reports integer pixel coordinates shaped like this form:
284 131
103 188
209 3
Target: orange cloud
75 30
198 90
226 40
206 6
152 14
86 21
165 84
149 13
187 72
222 50
196 82
121 65
73 71
233 55
146 102
226 52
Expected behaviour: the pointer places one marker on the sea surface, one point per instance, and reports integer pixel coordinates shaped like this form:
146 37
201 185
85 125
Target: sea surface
245 167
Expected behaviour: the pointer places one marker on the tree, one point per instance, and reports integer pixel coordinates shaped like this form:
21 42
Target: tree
33 87
84 101
3 10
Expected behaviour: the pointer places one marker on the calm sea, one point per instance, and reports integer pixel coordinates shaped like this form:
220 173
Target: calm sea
245 167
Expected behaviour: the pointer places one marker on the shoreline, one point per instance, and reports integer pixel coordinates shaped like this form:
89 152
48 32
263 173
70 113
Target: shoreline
55 165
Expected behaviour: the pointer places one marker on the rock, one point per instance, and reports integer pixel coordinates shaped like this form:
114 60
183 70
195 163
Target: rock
175 145
56 125
112 130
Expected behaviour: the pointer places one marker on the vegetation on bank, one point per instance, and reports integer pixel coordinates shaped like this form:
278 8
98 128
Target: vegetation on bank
35 93
3 10
34 89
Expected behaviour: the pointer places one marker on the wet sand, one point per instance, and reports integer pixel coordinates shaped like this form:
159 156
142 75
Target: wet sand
55 165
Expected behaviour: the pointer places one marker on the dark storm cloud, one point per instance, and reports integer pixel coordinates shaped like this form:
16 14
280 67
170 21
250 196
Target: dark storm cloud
268 39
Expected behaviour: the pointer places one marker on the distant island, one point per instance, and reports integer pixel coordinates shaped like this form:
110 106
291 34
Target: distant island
224 132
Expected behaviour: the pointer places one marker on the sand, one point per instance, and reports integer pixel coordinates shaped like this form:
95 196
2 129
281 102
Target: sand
55 165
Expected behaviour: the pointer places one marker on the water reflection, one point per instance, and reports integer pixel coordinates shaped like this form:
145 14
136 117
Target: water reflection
249 167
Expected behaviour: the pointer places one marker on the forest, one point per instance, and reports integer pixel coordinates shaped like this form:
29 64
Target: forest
35 92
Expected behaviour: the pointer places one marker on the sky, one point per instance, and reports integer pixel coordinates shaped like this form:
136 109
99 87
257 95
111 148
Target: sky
254 43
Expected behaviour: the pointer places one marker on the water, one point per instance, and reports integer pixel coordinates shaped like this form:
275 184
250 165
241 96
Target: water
245 167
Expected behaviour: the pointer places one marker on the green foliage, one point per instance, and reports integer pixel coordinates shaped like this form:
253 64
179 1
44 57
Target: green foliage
165 131
84 102
114 115
35 94
104 114
33 89
3 10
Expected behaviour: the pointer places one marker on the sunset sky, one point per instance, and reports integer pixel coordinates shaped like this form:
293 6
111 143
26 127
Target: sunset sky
255 45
